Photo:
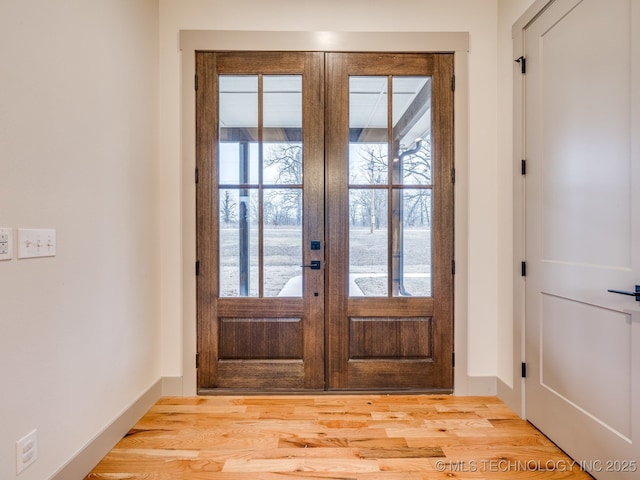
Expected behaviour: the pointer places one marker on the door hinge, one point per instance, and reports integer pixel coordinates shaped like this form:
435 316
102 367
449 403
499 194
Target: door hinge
197 360
453 267
453 359
453 175
524 370
523 269
196 175
453 83
195 82
524 167
523 64
197 267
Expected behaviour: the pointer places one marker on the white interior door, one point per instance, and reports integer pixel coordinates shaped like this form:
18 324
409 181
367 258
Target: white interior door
583 231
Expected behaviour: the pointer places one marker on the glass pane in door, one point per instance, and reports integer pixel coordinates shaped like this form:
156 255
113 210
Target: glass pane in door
414 241
238 159
260 185
282 220
238 133
368 166
390 200
368 242
238 242
282 167
412 186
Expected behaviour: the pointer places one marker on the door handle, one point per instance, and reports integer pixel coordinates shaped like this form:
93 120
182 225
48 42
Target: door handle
315 265
631 294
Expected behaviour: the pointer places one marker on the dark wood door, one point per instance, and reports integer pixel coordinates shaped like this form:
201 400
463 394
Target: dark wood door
259 204
390 221
371 305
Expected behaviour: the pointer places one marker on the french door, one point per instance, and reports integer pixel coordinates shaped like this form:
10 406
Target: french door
324 221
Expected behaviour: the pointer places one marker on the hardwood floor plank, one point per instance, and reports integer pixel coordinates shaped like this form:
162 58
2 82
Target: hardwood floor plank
408 452
329 465
314 442
340 437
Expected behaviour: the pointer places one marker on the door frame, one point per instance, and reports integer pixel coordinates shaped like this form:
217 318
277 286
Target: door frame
514 396
450 42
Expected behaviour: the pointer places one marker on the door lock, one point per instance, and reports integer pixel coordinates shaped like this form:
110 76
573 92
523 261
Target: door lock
315 265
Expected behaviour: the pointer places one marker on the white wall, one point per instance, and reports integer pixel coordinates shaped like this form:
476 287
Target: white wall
79 335
479 17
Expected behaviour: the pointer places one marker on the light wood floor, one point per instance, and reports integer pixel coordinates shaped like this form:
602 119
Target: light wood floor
345 437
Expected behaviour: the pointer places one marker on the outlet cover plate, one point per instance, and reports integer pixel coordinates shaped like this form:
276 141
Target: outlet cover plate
26 451
6 243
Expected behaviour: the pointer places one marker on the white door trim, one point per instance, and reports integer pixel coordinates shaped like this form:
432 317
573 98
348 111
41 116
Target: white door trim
514 397
457 42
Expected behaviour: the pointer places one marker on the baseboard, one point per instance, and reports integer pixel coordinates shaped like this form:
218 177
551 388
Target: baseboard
481 386
172 387
83 462
512 397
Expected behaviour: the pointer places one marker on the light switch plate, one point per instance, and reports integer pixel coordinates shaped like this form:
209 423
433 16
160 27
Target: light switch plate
6 243
36 243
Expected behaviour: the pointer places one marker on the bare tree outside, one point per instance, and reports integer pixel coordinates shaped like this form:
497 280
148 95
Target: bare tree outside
283 166
286 161
370 213
417 171
371 168
228 207
282 216
417 167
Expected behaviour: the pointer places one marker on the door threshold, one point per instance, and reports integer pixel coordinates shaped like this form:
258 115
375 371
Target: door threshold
294 392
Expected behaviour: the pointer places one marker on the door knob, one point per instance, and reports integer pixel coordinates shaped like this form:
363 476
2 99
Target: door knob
315 265
631 294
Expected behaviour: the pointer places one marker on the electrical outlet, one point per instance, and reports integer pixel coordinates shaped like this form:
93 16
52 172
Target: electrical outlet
36 243
6 243
26 451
